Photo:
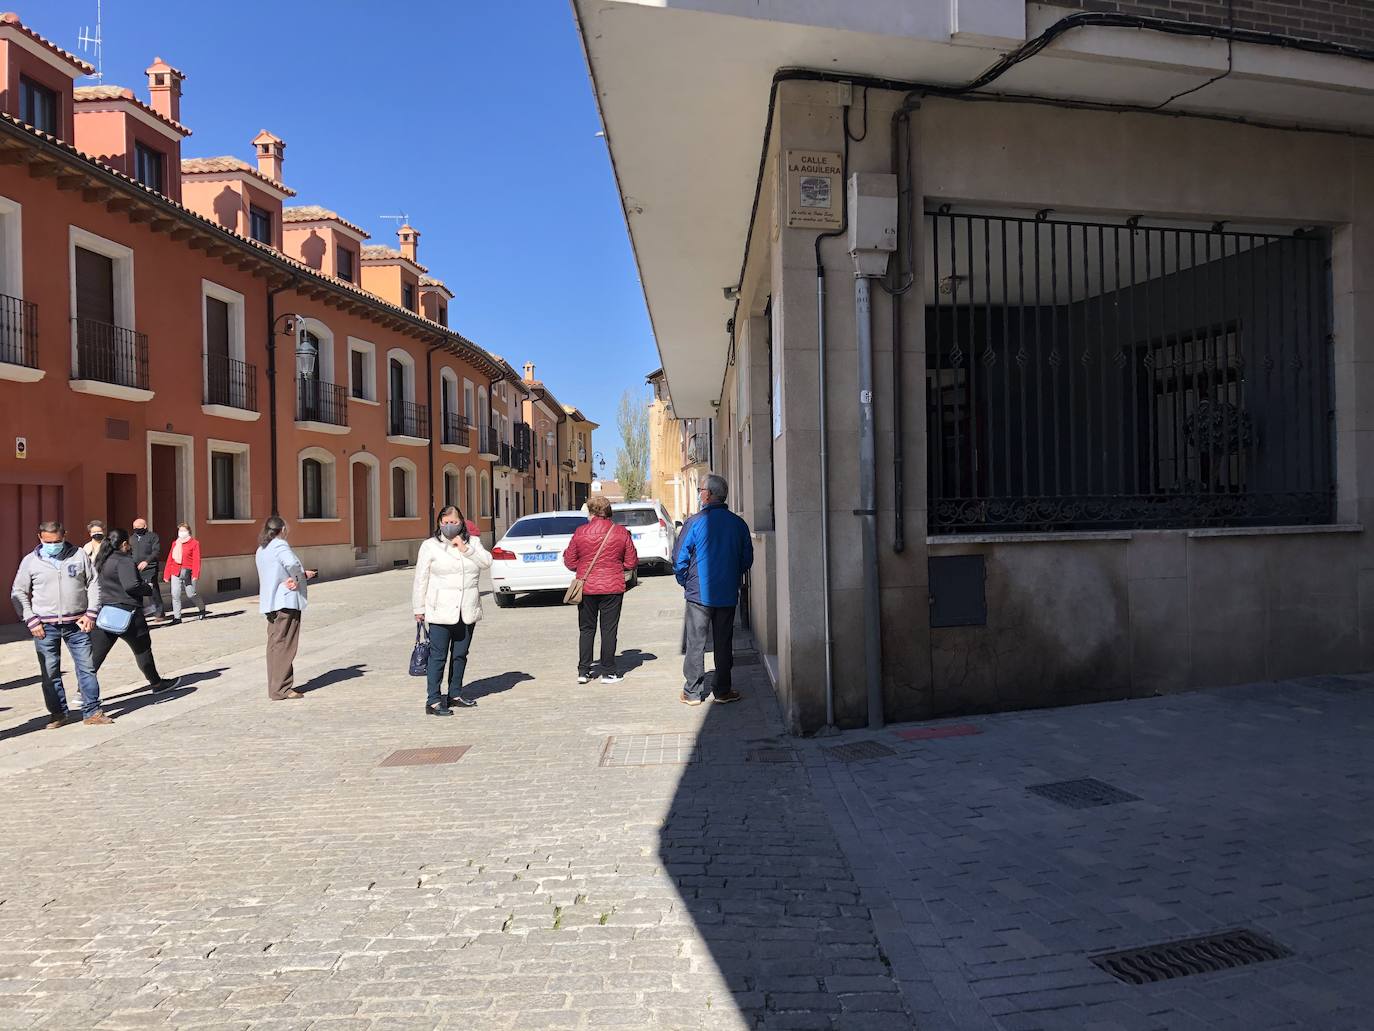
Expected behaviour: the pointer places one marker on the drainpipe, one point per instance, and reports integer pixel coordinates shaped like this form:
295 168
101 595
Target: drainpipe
272 386
429 401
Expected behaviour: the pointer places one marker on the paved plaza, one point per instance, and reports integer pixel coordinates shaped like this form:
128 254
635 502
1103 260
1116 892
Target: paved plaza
603 856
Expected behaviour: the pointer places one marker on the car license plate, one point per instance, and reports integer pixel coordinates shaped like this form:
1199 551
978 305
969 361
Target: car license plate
547 556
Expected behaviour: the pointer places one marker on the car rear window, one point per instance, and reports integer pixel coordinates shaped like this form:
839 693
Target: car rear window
634 516
545 526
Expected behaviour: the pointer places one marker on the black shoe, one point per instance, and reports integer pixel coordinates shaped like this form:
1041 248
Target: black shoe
174 621
443 710
165 684
457 699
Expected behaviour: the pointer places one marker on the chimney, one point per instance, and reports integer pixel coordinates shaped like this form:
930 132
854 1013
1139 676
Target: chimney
529 372
164 89
410 242
270 154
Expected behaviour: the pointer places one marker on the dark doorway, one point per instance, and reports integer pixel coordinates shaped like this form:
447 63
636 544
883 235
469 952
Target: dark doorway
164 515
22 507
362 507
121 499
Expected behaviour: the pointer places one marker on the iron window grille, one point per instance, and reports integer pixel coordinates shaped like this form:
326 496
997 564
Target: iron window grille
231 383
409 420
110 354
1088 375
456 429
318 401
18 332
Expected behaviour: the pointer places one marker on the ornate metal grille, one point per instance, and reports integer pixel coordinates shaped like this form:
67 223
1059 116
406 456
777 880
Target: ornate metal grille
1089 375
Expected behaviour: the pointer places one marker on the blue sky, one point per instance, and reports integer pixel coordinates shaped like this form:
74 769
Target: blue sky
476 119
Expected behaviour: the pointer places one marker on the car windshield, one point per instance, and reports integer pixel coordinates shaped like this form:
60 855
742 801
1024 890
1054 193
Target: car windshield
545 526
634 516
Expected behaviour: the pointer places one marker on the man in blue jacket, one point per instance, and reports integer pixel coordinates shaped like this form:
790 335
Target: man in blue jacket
713 554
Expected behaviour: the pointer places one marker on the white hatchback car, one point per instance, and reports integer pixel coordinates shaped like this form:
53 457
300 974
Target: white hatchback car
654 534
528 559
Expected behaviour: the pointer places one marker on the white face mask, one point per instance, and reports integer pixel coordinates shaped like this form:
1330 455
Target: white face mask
184 535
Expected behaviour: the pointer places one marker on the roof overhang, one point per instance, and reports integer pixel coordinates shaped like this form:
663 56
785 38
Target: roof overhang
684 88
173 132
241 176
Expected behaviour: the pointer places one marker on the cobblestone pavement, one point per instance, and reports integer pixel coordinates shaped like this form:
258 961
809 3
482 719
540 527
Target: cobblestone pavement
218 860
1256 809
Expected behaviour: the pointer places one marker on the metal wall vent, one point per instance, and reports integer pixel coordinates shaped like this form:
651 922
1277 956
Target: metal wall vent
1205 955
858 751
230 583
1087 793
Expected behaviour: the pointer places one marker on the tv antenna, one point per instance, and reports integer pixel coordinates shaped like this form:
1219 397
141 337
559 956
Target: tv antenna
93 43
401 220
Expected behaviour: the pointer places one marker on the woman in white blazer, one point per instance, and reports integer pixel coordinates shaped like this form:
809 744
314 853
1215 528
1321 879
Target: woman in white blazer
448 598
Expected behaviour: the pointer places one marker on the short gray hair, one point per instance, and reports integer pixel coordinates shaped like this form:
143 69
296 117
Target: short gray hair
716 484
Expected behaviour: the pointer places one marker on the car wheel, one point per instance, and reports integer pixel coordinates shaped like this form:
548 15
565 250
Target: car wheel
504 601
634 580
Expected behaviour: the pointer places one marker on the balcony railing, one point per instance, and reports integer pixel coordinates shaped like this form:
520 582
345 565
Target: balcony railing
698 449
456 430
110 354
318 401
520 461
231 383
489 440
409 420
507 453
18 332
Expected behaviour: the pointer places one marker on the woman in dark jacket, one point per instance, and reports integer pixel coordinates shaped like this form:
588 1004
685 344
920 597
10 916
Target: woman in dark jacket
122 588
603 590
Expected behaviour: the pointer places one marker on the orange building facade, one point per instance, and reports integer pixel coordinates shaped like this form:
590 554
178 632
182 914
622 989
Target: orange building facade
220 361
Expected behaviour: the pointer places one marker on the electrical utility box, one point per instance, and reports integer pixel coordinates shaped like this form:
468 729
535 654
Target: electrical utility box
872 221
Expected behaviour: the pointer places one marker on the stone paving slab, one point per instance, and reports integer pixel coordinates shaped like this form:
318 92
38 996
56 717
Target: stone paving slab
240 863
1256 809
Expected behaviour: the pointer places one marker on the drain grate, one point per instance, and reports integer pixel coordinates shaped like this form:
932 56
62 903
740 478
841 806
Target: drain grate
773 755
650 750
1087 793
858 751
425 756
1206 955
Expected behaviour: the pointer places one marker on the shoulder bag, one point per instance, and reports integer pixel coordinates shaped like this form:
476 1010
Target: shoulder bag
113 620
574 595
419 655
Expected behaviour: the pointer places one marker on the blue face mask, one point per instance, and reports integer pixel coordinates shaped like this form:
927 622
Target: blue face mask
52 550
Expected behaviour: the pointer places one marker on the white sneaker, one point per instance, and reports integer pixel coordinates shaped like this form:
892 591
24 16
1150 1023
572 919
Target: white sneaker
582 678
611 678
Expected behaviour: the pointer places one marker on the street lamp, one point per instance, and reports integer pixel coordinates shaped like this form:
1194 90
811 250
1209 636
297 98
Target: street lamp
307 354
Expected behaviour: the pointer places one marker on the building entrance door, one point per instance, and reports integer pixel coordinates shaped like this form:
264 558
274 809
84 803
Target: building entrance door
163 490
121 500
363 531
22 507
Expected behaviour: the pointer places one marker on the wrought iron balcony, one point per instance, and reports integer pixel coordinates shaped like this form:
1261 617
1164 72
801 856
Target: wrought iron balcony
110 354
18 332
698 449
456 430
318 401
231 383
409 420
507 455
489 441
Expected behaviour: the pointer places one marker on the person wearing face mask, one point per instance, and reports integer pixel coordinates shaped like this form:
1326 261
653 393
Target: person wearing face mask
282 581
447 597
148 560
122 588
183 571
56 595
95 530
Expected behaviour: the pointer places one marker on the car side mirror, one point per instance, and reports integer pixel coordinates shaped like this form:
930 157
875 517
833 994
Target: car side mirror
677 523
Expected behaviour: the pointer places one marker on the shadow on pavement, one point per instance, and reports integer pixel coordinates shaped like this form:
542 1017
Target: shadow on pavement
494 685
633 658
144 697
26 682
334 676
27 727
202 676
758 868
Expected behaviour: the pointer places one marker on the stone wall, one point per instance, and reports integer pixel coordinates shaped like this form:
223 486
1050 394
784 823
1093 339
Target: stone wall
1332 21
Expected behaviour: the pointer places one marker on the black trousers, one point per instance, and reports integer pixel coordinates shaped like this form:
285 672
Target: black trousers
606 607
704 626
138 640
153 602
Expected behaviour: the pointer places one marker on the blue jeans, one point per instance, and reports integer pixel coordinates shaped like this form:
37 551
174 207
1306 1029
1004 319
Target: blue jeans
49 650
448 644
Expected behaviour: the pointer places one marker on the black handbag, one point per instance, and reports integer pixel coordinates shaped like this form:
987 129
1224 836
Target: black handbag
419 655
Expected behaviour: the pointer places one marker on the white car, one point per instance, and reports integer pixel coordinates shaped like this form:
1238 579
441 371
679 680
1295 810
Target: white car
529 558
654 533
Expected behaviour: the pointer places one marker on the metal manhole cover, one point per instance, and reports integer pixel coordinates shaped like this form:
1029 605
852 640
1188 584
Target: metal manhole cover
1082 794
650 750
425 756
773 755
1205 955
857 751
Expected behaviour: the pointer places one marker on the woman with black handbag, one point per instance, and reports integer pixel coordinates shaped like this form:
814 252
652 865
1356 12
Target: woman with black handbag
447 598
123 594
183 571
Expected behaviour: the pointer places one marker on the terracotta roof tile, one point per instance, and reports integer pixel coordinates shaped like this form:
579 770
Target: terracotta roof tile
380 252
435 284
91 94
316 213
14 21
229 163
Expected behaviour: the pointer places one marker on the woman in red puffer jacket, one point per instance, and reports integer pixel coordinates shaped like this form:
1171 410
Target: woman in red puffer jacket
603 577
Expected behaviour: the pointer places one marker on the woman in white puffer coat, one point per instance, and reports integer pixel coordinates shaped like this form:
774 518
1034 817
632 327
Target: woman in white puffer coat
447 597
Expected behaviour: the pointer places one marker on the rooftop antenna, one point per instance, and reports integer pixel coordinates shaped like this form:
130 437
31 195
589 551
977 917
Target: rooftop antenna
94 44
401 220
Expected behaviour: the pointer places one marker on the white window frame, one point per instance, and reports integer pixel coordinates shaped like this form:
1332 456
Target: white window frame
448 379
238 346
469 401
451 470
12 247
123 259
469 493
412 503
243 484
407 361
329 485
483 408
484 494
369 352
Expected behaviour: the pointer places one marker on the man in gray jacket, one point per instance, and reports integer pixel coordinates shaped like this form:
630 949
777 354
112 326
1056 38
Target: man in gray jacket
56 596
